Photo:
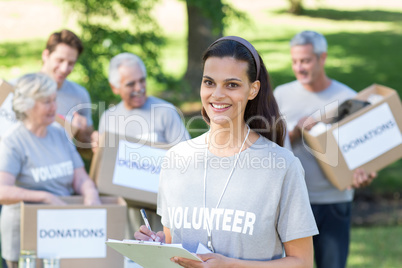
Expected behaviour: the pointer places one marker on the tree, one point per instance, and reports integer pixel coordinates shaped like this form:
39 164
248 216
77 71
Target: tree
206 22
296 7
109 27
105 23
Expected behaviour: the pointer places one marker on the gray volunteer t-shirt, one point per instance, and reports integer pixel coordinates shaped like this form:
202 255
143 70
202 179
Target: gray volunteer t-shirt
264 205
46 163
156 121
43 164
296 102
73 97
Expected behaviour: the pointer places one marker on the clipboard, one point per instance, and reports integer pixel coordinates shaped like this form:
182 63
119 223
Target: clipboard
151 254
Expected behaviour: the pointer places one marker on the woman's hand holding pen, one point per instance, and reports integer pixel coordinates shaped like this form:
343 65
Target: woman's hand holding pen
145 234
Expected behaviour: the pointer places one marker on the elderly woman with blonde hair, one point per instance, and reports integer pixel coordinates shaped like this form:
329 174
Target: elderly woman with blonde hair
38 162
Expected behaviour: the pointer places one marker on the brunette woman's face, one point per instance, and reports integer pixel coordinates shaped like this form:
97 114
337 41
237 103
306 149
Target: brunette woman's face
226 89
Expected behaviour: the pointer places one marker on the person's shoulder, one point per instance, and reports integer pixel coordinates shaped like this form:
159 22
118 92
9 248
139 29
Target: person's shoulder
15 136
114 109
73 86
58 131
189 147
285 88
156 100
13 133
271 149
162 107
13 81
341 87
55 128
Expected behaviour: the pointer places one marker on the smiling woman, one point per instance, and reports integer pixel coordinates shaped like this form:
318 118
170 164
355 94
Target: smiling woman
244 213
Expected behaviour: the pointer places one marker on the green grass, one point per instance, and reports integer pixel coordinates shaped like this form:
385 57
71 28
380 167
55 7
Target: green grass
378 247
18 58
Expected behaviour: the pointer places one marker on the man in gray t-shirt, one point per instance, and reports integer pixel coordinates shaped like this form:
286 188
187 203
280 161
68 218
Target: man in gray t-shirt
156 120
139 116
62 51
314 92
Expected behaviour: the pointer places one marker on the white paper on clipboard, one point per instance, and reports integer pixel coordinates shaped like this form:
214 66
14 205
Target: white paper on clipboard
151 254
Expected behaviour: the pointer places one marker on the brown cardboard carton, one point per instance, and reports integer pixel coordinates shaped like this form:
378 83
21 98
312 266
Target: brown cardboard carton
118 168
5 89
75 231
71 130
369 138
7 116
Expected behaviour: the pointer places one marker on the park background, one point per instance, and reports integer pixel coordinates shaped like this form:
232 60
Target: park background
365 47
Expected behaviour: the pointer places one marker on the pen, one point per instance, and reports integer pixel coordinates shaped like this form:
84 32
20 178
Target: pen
145 218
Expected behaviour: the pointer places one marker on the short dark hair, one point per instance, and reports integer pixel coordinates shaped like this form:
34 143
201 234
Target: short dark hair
262 113
64 37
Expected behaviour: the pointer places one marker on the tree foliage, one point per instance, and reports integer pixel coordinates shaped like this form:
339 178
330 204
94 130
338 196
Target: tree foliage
207 20
109 27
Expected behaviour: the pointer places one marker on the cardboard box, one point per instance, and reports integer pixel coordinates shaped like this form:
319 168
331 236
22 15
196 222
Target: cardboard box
128 167
71 130
75 233
7 116
369 138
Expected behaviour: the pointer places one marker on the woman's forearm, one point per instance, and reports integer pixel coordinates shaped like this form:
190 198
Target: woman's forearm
84 186
14 194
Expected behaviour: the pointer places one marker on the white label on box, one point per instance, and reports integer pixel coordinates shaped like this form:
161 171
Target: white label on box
368 136
71 233
7 115
138 167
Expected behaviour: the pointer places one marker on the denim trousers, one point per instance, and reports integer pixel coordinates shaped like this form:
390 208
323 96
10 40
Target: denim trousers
331 245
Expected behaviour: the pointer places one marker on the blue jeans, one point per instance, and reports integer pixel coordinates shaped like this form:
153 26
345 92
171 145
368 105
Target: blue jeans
331 246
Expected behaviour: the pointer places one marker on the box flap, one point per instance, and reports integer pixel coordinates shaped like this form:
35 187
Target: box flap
5 89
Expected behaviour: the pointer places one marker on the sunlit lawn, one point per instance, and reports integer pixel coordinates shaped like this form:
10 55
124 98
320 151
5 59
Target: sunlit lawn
378 247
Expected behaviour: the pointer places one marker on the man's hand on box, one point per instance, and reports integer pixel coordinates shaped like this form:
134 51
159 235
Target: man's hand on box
79 121
362 179
305 123
95 141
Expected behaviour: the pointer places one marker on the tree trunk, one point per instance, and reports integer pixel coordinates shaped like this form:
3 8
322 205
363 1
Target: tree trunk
200 36
296 7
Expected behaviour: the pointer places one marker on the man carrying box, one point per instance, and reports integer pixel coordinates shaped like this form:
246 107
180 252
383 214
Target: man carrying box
314 91
62 51
139 116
